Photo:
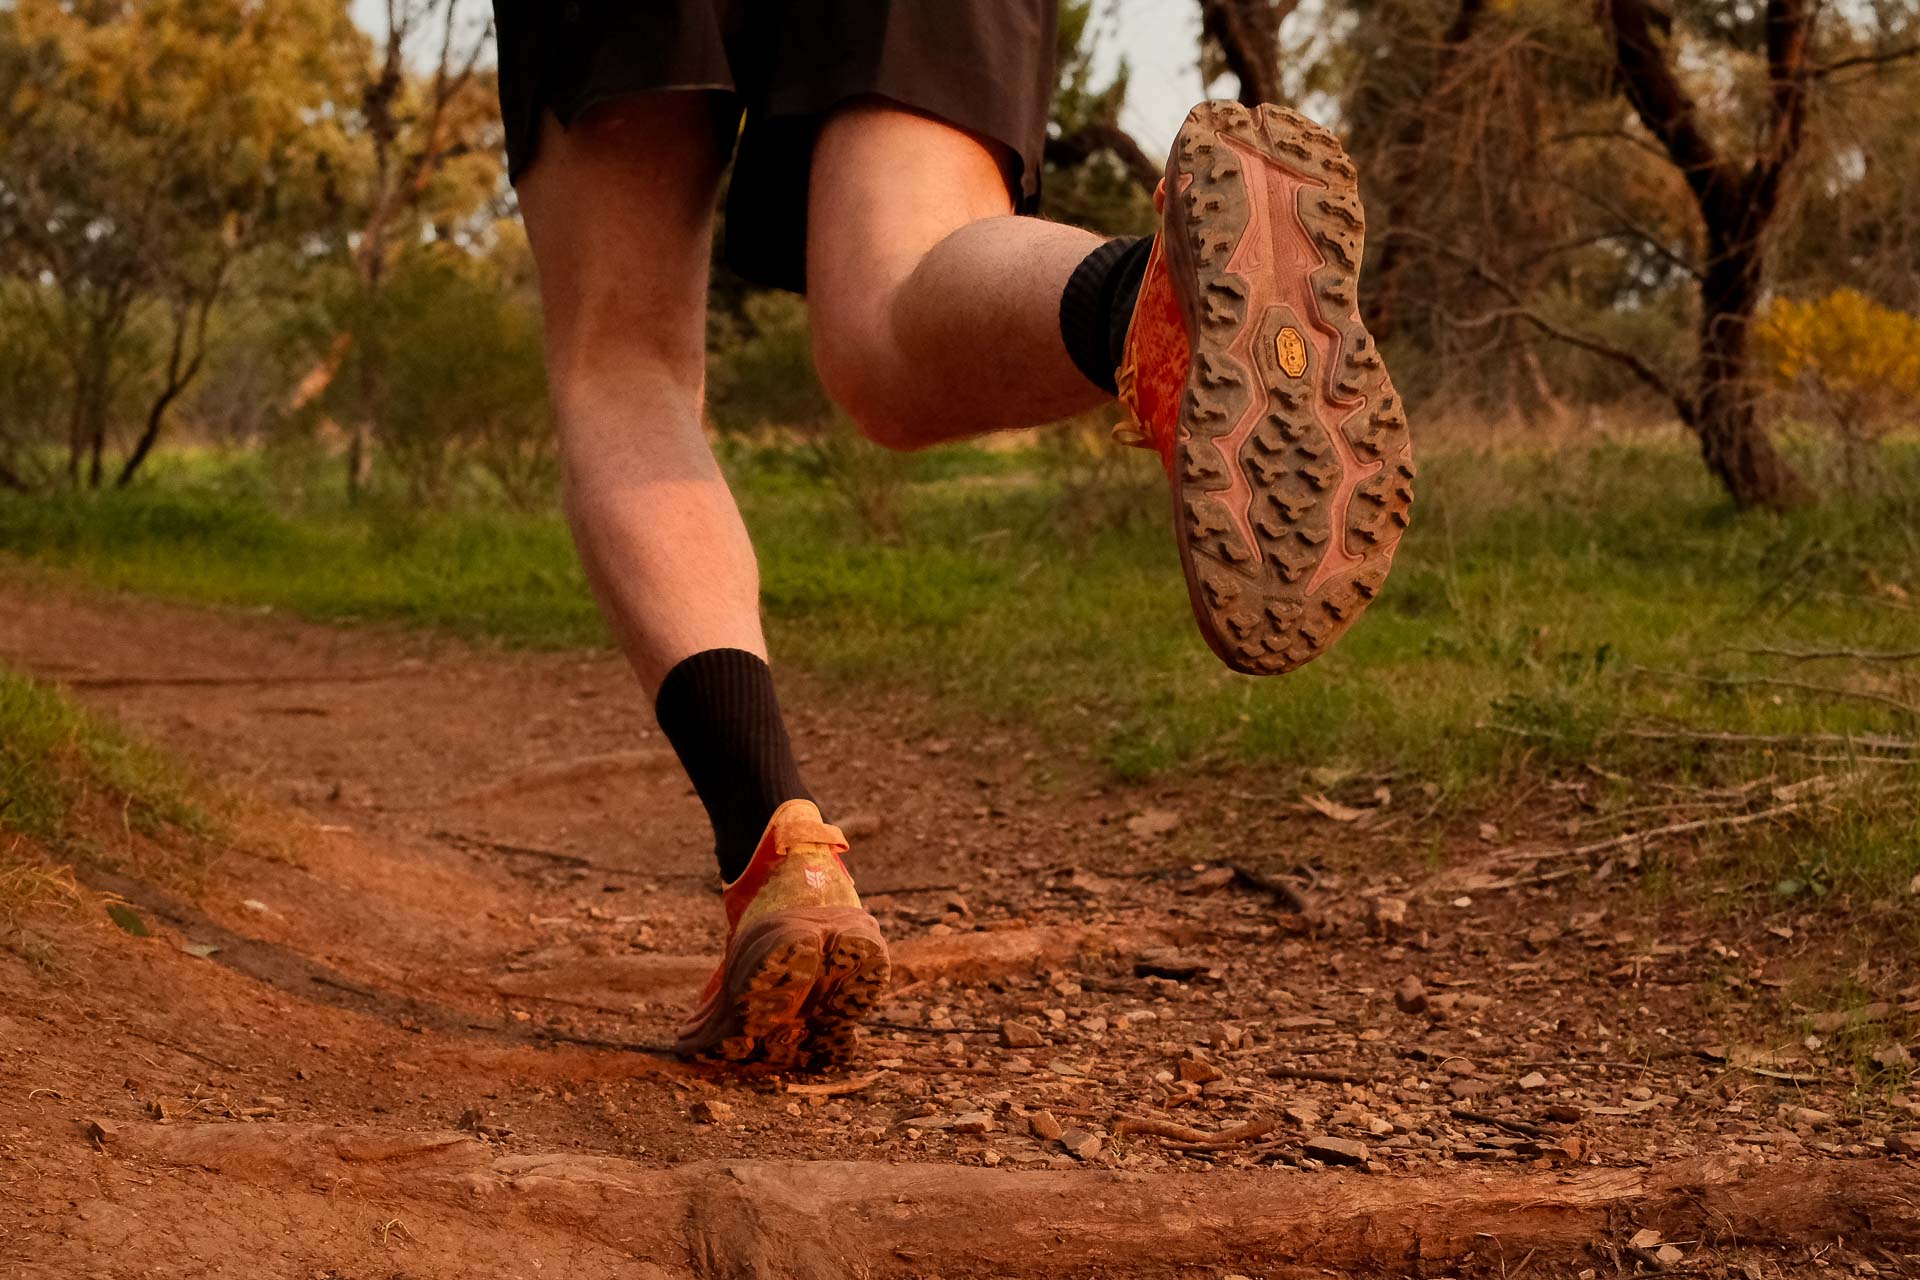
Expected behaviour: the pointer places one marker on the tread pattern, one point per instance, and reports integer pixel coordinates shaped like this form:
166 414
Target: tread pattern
851 984
800 1001
1291 492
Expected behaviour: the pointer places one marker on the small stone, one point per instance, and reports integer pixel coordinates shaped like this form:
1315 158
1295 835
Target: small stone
1080 1144
1175 965
1199 1071
1904 1144
1464 1088
1386 915
1812 1117
1892 1057
973 1122
711 1111
1021 1035
1411 995
1225 1036
1565 1113
1337 1150
1533 1080
1153 823
1304 1116
1669 1254
1647 1238
101 1132
1208 881
990 1158
860 826
1043 1126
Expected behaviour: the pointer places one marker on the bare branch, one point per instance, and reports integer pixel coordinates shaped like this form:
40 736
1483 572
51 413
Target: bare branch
1520 310
1774 682
1104 136
1882 58
1816 655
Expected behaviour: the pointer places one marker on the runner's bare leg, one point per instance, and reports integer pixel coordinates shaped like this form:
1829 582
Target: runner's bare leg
619 211
935 311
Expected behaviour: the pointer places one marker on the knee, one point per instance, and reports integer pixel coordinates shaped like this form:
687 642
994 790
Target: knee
602 345
856 378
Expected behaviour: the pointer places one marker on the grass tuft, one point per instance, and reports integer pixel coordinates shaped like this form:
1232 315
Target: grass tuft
71 784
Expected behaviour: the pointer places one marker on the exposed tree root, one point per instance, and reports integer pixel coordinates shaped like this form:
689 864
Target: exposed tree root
838 1219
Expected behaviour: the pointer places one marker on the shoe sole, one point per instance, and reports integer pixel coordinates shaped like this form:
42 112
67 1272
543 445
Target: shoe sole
797 986
1292 474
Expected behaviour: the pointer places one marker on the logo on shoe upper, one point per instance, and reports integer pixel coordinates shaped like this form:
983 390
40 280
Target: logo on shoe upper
816 878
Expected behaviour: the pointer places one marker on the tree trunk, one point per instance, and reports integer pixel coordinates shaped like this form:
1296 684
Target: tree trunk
76 432
1736 207
1737 448
96 423
1403 181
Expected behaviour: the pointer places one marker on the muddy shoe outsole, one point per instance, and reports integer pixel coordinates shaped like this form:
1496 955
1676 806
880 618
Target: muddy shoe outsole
797 985
1292 471
851 983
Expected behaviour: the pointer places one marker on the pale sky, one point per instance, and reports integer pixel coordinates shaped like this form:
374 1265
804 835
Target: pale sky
1159 38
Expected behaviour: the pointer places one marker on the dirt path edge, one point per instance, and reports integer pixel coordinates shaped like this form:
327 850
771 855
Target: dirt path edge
834 1219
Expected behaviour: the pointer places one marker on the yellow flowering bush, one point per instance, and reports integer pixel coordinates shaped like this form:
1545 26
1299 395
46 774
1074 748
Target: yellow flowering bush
1858 358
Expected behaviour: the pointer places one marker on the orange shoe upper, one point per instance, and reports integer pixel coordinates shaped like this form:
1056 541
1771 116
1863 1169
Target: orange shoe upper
796 864
1153 368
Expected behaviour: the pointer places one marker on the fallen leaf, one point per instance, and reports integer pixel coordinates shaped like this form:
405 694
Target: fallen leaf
129 919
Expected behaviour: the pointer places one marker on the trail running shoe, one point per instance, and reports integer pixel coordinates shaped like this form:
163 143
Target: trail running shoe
1248 370
804 963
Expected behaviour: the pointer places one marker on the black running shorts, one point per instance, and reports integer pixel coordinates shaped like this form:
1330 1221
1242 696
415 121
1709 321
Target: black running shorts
775 69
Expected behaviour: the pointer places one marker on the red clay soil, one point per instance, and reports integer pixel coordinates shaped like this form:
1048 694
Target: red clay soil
412 1022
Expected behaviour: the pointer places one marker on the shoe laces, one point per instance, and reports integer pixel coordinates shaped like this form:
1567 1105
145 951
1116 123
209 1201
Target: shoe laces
1134 431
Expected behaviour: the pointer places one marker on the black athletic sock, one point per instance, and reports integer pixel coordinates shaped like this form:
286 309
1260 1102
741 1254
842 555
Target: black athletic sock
1097 305
719 711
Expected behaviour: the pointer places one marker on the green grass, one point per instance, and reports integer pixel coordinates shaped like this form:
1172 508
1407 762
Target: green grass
73 785
1536 610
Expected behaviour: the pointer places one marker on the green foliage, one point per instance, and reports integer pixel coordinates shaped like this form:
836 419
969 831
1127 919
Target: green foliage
763 375
142 150
1098 193
462 382
764 379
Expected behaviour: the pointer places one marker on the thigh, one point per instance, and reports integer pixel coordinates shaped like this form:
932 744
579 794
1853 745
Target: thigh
619 212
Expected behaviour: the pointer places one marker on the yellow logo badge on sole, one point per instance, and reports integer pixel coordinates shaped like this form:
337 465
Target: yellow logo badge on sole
1291 349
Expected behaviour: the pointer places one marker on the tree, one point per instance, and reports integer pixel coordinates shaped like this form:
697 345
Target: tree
143 148
1521 206
1737 204
1242 37
427 144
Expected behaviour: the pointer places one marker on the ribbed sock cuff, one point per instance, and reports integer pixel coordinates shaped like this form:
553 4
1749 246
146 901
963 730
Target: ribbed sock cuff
719 711
1106 281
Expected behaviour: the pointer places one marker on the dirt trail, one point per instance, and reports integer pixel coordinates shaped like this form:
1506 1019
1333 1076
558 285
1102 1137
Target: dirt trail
472 893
